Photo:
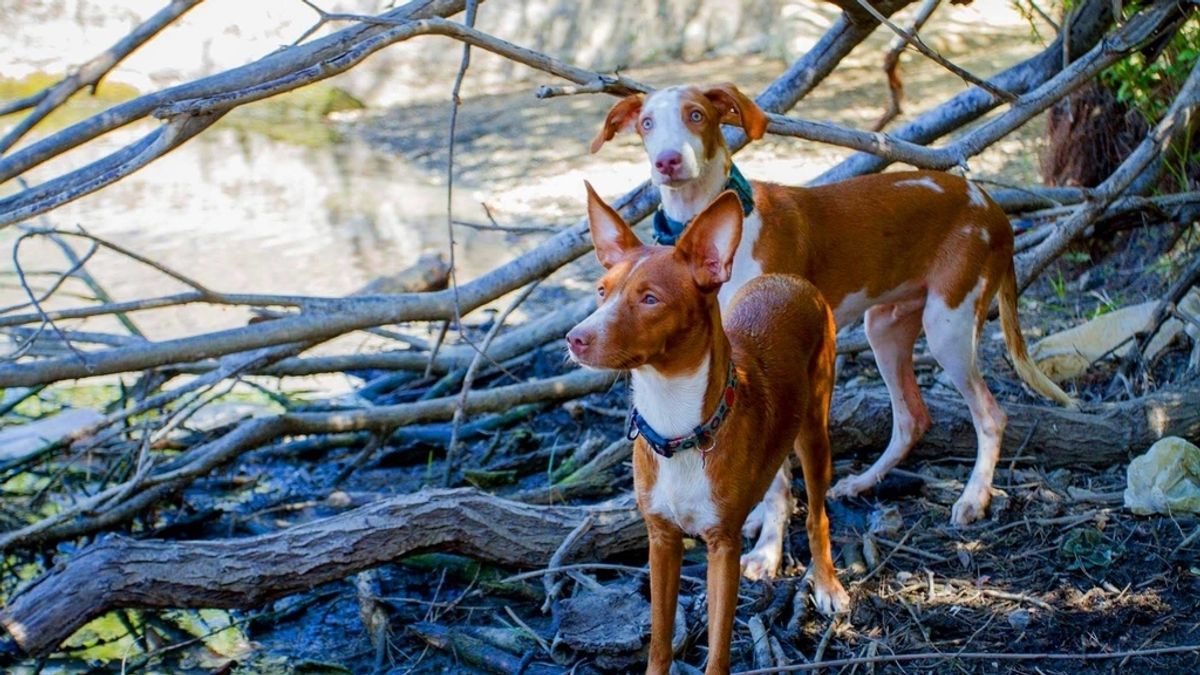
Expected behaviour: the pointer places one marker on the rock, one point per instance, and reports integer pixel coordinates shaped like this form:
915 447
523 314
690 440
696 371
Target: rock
1069 353
19 440
1165 480
610 623
886 521
1020 619
222 413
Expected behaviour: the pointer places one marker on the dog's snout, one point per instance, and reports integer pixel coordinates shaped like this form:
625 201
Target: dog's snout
579 339
668 162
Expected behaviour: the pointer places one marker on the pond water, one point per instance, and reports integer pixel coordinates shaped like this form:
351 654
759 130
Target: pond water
241 211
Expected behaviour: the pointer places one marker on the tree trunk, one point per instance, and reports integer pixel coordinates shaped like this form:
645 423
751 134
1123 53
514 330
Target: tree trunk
243 573
1109 434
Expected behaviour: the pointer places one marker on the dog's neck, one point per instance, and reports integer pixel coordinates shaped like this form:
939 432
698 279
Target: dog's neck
679 393
681 203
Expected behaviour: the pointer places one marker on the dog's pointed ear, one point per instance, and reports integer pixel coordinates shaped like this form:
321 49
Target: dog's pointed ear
610 235
737 108
621 117
711 240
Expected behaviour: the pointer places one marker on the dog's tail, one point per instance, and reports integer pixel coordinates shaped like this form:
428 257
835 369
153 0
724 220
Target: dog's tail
1026 368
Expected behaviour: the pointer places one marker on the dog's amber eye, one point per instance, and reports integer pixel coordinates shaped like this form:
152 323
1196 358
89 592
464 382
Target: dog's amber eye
697 116
647 124
649 299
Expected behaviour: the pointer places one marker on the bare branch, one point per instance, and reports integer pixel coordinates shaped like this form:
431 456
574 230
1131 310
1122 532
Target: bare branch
90 73
912 38
1091 19
1149 153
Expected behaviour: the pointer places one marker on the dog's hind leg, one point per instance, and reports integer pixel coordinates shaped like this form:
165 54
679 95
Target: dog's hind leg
773 514
891 331
952 333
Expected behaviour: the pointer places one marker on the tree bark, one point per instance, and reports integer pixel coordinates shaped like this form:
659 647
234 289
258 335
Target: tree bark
243 573
120 572
862 421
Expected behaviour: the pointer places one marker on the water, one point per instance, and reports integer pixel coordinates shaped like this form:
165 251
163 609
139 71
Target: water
240 211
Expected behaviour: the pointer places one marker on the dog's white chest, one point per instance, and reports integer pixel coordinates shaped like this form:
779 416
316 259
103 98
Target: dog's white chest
745 267
682 493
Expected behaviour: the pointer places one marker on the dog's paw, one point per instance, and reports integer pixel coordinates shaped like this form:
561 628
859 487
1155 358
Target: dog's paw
852 486
971 506
762 563
830 598
754 522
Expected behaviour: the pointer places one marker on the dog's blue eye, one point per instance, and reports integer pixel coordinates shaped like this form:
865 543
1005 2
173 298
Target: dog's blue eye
647 124
697 116
600 291
649 299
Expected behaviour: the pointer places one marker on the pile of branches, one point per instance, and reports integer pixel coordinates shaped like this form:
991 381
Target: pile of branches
135 470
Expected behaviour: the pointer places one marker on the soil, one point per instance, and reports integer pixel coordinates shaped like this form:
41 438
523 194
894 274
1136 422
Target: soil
1059 566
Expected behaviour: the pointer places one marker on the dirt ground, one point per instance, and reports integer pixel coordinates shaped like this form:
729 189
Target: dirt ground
1059 567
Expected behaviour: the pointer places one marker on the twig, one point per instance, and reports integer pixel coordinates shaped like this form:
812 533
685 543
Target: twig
1147 156
590 566
492 227
891 63
550 582
912 38
469 379
976 656
90 73
525 627
1179 288
376 442
819 654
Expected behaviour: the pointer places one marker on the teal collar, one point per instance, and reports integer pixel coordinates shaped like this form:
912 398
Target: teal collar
667 230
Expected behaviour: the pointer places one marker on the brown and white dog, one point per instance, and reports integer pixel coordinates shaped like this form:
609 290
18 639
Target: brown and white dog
717 406
914 251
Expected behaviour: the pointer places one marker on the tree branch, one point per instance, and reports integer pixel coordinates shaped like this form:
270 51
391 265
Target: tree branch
90 73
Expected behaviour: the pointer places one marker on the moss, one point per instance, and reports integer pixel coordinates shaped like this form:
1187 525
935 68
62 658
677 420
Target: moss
80 106
297 117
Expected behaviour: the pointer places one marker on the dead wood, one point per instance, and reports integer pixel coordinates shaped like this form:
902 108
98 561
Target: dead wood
245 573
1098 436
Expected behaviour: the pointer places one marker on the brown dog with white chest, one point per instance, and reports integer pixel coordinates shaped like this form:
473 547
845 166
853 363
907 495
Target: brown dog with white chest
718 405
909 251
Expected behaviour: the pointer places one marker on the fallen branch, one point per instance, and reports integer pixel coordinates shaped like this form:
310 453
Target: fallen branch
557 251
113 506
247 572
1100 436
1087 27
1173 127
1136 33
89 74
974 656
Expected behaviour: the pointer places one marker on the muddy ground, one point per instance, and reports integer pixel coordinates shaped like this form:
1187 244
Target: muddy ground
1059 567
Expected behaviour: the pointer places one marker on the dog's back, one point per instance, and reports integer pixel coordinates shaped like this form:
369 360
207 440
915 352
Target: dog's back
780 325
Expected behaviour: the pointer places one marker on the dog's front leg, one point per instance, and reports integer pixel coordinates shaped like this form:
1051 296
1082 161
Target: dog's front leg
724 573
666 556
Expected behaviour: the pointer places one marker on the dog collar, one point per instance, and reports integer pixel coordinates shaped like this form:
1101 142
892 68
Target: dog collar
702 437
667 230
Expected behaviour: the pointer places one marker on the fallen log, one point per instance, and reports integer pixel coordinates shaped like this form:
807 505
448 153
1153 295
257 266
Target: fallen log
245 573
1101 435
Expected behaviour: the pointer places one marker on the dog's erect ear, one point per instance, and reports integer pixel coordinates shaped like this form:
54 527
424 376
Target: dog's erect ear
610 235
737 108
622 116
708 244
